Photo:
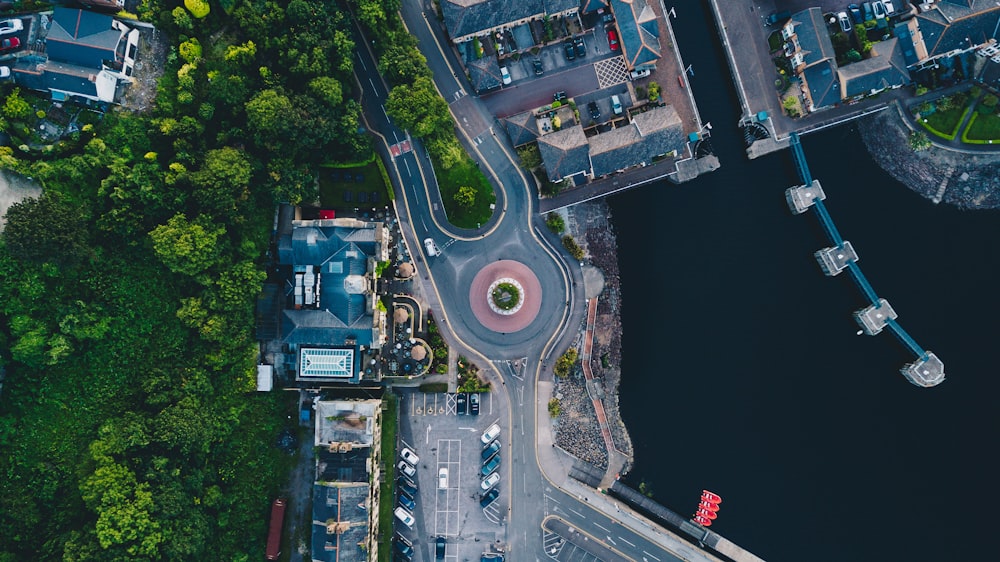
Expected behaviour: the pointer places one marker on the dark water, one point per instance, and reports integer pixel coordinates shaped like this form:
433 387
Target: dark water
743 373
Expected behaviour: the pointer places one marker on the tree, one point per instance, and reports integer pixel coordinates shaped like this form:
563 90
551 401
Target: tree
419 108
223 182
16 107
654 91
853 55
791 105
268 117
918 141
198 8
565 363
555 223
466 196
124 509
402 62
530 156
47 230
187 247
327 89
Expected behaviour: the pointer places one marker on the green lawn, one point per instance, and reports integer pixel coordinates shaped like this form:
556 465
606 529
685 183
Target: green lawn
340 188
983 127
387 499
944 123
775 41
464 173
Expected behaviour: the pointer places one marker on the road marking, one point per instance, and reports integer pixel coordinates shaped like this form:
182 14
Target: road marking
612 541
578 513
427 439
408 173
626 542
603 528
650 555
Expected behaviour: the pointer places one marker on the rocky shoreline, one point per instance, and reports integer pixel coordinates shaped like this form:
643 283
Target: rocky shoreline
968 181
577 430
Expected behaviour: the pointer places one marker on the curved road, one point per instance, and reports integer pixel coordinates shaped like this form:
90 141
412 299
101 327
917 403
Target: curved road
515 232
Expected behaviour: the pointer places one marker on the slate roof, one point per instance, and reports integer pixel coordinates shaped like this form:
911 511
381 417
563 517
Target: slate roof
344 504
484 74
823 82
638 31
886 68
650 134
474 17
593 5
906 45
945 27
53 75
565 153
81 37
522 128
813 39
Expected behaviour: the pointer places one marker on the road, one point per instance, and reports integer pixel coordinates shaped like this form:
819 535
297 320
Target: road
515 232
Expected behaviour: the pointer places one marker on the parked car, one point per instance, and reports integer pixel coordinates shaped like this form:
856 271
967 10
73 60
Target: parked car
639 73
845 22
581 47
406 485
404 516
537 65
490 481
595 112
778 17
867 7
10 43
491 433
443 478
407 502
431 247
559 96
489 498
489 451
616 104
613 39
4 72
889 8
403 539
490 465
407 469
409 456
11 26
505 75
404 549
439 547
474 403
461 399
855 11
570 51
878 8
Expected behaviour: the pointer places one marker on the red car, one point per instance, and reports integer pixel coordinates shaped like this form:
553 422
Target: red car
613 39
10 43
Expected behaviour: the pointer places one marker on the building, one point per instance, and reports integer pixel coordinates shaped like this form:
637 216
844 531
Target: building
331 317
950 27
468 19
638 30
348 468
886 68
86 55
566 153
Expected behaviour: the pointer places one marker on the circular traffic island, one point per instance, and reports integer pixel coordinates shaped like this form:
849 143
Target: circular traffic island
505 296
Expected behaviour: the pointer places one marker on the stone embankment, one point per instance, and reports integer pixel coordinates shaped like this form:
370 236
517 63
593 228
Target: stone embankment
577 430
969 181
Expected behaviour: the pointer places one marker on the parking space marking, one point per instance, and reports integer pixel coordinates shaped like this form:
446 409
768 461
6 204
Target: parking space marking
446 508
450 407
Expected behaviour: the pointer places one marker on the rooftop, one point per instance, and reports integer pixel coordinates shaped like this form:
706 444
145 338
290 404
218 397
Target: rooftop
340 522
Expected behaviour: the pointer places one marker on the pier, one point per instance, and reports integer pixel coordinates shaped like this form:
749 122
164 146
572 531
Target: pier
927 369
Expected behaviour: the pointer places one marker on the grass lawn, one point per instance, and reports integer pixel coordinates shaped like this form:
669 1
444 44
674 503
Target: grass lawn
353 187
774 40
461 174
944 123
983 127
387 500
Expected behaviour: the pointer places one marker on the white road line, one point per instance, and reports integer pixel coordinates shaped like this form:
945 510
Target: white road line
605 529
408 173
650 555
578 513
612 541
626 542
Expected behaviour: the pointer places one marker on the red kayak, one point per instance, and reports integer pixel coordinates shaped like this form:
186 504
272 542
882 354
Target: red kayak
710 497
702 521
709 506
707 514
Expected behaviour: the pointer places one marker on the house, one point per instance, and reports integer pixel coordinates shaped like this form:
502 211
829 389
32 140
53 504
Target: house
345 504
522 128
484 74
651 134
86 55
331 315
812 57
885 69
950 27
566 153
467 19
638 32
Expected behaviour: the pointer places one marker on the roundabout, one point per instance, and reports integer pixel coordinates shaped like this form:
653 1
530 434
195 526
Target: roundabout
505 296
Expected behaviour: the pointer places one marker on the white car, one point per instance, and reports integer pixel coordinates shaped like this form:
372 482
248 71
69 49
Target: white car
845 22
505 75
431 247
407 469
879 9
11 26
889 8
443 478
491 433
4 72
641 73
405 516
409 456
490 481
616 105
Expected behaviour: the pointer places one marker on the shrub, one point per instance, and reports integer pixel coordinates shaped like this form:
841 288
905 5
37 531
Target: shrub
572 247
555 223
530 156
198 8
554 408
919 141
990 101
853 55
921 89
565 363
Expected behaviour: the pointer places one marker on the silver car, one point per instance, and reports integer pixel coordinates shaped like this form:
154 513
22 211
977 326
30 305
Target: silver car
11 26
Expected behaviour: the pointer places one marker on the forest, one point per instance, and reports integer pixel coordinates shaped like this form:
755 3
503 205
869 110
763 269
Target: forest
130 428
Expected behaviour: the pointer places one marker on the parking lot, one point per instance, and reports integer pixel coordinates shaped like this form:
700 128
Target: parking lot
449 474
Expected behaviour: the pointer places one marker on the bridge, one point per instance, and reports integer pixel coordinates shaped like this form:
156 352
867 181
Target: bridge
926 370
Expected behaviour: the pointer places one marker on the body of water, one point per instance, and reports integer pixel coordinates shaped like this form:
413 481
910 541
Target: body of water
743 373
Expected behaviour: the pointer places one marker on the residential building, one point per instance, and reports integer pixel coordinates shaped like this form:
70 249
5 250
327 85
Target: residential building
86 55
652 134
886 68
566 153
950 27
638 30
468 19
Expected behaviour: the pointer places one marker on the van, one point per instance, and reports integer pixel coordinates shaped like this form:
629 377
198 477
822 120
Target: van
616 105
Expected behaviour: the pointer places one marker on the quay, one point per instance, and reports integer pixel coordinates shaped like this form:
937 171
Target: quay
927 370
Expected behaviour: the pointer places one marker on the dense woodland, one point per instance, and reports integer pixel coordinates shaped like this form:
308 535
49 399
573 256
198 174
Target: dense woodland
129 425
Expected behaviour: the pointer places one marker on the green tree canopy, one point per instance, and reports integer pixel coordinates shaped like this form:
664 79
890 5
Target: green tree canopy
188 247
46 229
419 108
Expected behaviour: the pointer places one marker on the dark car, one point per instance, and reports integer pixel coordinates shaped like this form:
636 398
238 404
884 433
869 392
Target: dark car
537 65
855 12
778 17
559 96
406 485
867 6
404 549
439 546
595 113
10 43
570 51
581 47
490 465
489 498
493 448
474 403
460 401
406 501
613 39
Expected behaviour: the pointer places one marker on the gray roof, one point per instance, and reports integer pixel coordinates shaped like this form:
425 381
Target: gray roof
484 74
638 31
650 134
813 39
946 27
346 421
886 68
82 38
593 5
906 47
474 17
565 153
824 85
57 77
521 128
345 504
